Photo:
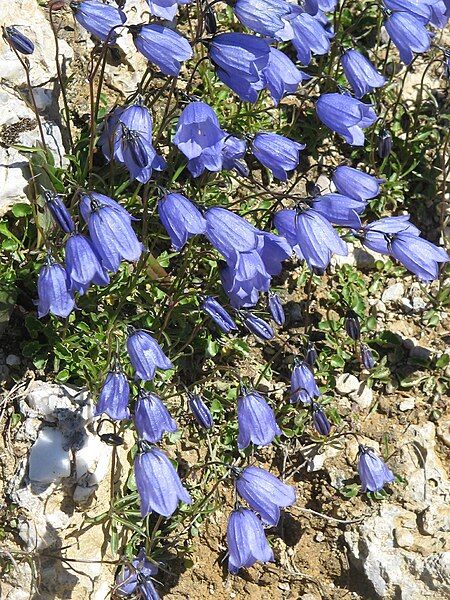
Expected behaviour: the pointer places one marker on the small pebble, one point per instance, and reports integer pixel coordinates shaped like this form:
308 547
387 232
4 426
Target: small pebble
12 360
407 404
393 293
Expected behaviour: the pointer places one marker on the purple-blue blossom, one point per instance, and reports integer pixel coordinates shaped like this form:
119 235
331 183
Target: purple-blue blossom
276 309
373 472
303 384
282 76
246 540
346 116
256 420
137 577
276 152
200 411
165 9
218 314
54 290
146 355
83 265
114 397
409 34
19 41
59 211
360 73
151 417
162 46
181 219
356 184
99 19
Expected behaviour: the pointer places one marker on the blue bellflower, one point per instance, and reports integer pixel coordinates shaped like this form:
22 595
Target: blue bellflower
256 420
339 209
309 36
54 291
151 417
421 10
355 183
276 309
200 411
360 73
146 355
93 199
409 35
137 578
114 397
112 236
165 9
200 138
180 218
418 255
233 152
127 137
264 493
366 356
218 314
240 60
99 19
262 16
303 384
277 153
162 46
321 423
257 326
372 470
59 211
376 235
282 76
83 265
346 116
229 233
19 41
246 540
158 484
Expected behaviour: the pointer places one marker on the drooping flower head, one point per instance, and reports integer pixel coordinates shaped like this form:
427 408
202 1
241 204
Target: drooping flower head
276 309
99 19
346 116
373 472
264 493
146 355
309 35
303 384
277 153
54 290
233 152
246 540
408 33
256 420
282 76
158 484
181 219
240 60
137 577
367 357
263 16
200 411
162 46
152 418
355 183
321 423
360 73
83 265
218 314
18 40
200 138
165 9
59 211
114 396
257 326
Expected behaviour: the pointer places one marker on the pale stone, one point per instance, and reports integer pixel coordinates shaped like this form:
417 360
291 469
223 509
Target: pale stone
363 396
48 460
346 384
407 404
12 360
393 293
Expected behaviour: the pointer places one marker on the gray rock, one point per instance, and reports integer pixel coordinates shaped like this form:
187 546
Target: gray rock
347 384
363 396
12 360
393 293
407 404
49 462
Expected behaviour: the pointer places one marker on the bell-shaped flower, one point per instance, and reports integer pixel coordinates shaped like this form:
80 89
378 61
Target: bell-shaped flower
409 34
418 255
59 211
127 137
360 73
257 326
137 577
372 470
352 325
112 236
93 199
165 9
114 397
303 384
146 355
311 355
200 138
158 484
256 420
218 314
162 46
246 540
385 143
346 116
54 291
200 411
420 10
366 356
376 235
264 493
244 291
229 233
18 40
356 184
276 309
282 76
233 152
262 16
285 222
277 153
321 423
83 265
339 209
181 219
151 417
240 60
99 19
310 37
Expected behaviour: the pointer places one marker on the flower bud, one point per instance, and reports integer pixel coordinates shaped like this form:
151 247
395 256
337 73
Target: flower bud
352 325
311 354
200 411
276 309
19 41
367 357
258 326
384 143
321 423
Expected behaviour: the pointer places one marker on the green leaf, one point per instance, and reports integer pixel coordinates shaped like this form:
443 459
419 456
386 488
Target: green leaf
21 209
